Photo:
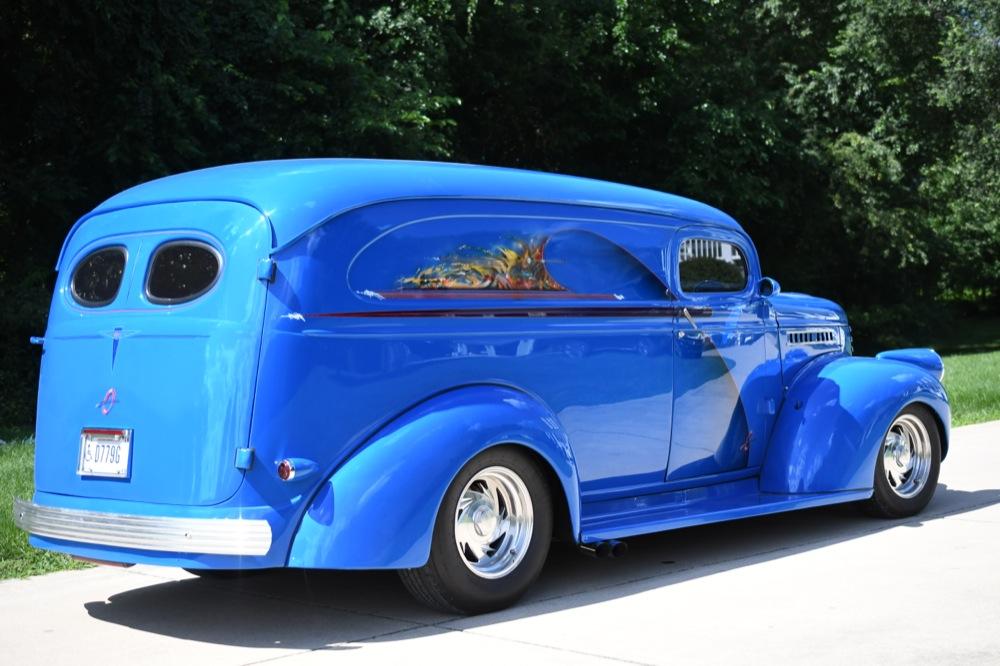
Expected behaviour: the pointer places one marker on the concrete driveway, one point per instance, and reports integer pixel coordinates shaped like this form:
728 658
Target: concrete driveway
821 586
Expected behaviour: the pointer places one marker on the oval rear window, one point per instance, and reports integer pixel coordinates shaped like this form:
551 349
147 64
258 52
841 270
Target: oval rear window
98 277
181 271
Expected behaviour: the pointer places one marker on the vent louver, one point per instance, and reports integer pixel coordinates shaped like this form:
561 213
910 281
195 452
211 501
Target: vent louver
814 336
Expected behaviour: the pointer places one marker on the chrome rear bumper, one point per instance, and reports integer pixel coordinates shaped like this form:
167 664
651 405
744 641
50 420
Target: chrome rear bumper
210 536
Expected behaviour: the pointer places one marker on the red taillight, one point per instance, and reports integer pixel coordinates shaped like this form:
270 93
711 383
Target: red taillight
286 470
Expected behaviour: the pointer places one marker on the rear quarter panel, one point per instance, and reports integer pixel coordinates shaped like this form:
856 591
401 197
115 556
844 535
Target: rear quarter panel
378 509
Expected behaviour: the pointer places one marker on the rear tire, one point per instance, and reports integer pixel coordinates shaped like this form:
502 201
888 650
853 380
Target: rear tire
907 467
491 536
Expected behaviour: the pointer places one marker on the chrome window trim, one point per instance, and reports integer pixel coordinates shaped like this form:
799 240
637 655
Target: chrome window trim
209 536
76 269
181 241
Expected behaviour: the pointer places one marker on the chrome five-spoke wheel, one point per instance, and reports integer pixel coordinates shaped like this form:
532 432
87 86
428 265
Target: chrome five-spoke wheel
906 456
491 535
493 522
909 459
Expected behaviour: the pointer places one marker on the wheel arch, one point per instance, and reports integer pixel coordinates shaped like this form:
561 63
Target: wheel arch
562 522
833 420
355 520
943 430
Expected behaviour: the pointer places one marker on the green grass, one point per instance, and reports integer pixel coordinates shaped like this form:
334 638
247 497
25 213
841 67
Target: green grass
973 385
971 352
17 558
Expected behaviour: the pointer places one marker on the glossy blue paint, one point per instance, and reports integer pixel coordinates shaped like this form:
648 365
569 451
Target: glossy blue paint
698 505
927 359
836 414
802 310
608 379
395 483
299 195
725 363
183 375
380 323
244 458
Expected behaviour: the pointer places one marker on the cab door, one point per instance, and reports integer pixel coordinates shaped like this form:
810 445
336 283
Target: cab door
726 369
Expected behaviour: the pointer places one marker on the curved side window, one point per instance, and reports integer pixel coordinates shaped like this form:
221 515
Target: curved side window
98 276
502 259
708 265
181 271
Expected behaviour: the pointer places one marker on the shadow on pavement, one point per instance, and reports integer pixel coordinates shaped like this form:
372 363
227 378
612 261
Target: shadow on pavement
324 609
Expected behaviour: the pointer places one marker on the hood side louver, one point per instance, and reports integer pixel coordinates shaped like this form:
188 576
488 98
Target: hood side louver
815 336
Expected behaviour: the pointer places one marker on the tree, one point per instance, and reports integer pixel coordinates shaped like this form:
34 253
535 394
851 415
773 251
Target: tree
101 96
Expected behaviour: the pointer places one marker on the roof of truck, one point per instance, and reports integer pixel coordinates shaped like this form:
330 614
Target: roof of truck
298 195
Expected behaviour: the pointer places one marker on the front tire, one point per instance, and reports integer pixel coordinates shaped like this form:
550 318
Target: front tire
491 536
909 460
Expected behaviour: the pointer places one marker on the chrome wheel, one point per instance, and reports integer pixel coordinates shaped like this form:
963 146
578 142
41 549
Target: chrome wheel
493 522
906 456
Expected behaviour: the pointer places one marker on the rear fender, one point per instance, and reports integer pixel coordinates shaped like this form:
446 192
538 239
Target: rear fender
377 510
834 417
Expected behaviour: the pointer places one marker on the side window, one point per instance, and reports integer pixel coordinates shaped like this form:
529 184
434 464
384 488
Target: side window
712 265
501 259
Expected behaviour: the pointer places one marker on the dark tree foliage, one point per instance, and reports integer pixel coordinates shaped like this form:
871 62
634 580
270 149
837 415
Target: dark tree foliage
858 141
104 94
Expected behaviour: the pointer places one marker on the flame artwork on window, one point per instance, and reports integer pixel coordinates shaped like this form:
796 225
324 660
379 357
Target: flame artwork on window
516 265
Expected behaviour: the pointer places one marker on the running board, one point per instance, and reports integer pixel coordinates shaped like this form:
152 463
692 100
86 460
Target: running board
632 516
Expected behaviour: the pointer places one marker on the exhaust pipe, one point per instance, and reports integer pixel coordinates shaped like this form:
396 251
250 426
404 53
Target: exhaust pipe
605 549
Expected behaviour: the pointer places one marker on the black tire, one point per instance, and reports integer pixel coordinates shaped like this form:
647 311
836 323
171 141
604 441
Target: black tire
445 583
885 502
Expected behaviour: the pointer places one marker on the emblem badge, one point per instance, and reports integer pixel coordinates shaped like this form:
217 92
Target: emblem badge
108 401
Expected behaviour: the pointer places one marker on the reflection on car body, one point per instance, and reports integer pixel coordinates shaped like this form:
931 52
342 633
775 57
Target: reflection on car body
435 368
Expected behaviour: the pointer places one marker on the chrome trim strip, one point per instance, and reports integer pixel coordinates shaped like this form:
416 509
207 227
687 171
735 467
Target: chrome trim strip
210 536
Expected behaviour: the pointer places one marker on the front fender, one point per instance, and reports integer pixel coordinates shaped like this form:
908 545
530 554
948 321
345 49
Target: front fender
833 420
377 510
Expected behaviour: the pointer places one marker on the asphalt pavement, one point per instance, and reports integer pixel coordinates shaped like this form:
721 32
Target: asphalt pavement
825 586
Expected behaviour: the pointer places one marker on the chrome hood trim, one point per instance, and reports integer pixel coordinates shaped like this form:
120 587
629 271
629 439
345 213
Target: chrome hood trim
210 536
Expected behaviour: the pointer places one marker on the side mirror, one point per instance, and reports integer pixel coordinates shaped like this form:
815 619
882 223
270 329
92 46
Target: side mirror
768 287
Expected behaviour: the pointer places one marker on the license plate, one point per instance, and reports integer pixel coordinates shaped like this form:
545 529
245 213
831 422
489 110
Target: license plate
104 452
